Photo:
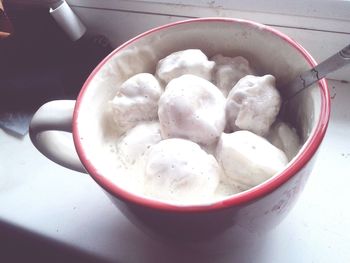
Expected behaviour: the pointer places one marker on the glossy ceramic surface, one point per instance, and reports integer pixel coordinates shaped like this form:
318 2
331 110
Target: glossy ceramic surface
252 211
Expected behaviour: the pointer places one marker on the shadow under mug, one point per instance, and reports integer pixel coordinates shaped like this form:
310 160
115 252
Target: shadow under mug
253 211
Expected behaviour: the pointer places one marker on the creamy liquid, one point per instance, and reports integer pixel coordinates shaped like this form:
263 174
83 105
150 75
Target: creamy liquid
125 165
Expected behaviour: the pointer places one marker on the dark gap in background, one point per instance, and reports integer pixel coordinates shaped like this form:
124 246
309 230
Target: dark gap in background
38 63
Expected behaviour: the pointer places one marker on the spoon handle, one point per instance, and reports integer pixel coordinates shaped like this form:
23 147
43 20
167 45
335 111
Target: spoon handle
309 77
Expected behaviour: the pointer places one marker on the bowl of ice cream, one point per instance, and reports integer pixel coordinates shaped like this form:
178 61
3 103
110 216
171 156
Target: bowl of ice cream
180 127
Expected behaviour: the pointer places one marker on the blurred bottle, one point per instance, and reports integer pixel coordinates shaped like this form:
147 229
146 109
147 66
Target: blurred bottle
5 25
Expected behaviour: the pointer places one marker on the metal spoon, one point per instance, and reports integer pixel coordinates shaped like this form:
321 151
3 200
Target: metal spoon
313 75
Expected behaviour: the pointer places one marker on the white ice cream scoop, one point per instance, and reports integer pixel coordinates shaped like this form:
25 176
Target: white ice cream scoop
253 104
130 154
192 108
285 138
136 100
179 171
248 159
228 71
133 146
189 61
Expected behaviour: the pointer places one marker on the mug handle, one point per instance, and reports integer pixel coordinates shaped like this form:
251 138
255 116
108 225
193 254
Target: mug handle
49 130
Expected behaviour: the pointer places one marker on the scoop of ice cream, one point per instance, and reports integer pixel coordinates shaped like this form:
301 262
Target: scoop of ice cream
253 104
228 71
248 159
285 138
136 100
192 108
133 146
179 170
190 61
131 151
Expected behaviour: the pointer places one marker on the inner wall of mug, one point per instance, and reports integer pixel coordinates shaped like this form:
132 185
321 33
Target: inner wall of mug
267 52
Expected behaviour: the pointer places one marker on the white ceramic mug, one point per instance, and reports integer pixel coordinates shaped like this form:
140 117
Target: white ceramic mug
255 210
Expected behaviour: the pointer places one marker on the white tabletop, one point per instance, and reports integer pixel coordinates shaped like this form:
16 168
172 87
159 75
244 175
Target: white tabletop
51 201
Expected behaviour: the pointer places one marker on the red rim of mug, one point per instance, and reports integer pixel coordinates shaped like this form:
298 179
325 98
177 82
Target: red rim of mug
238 199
